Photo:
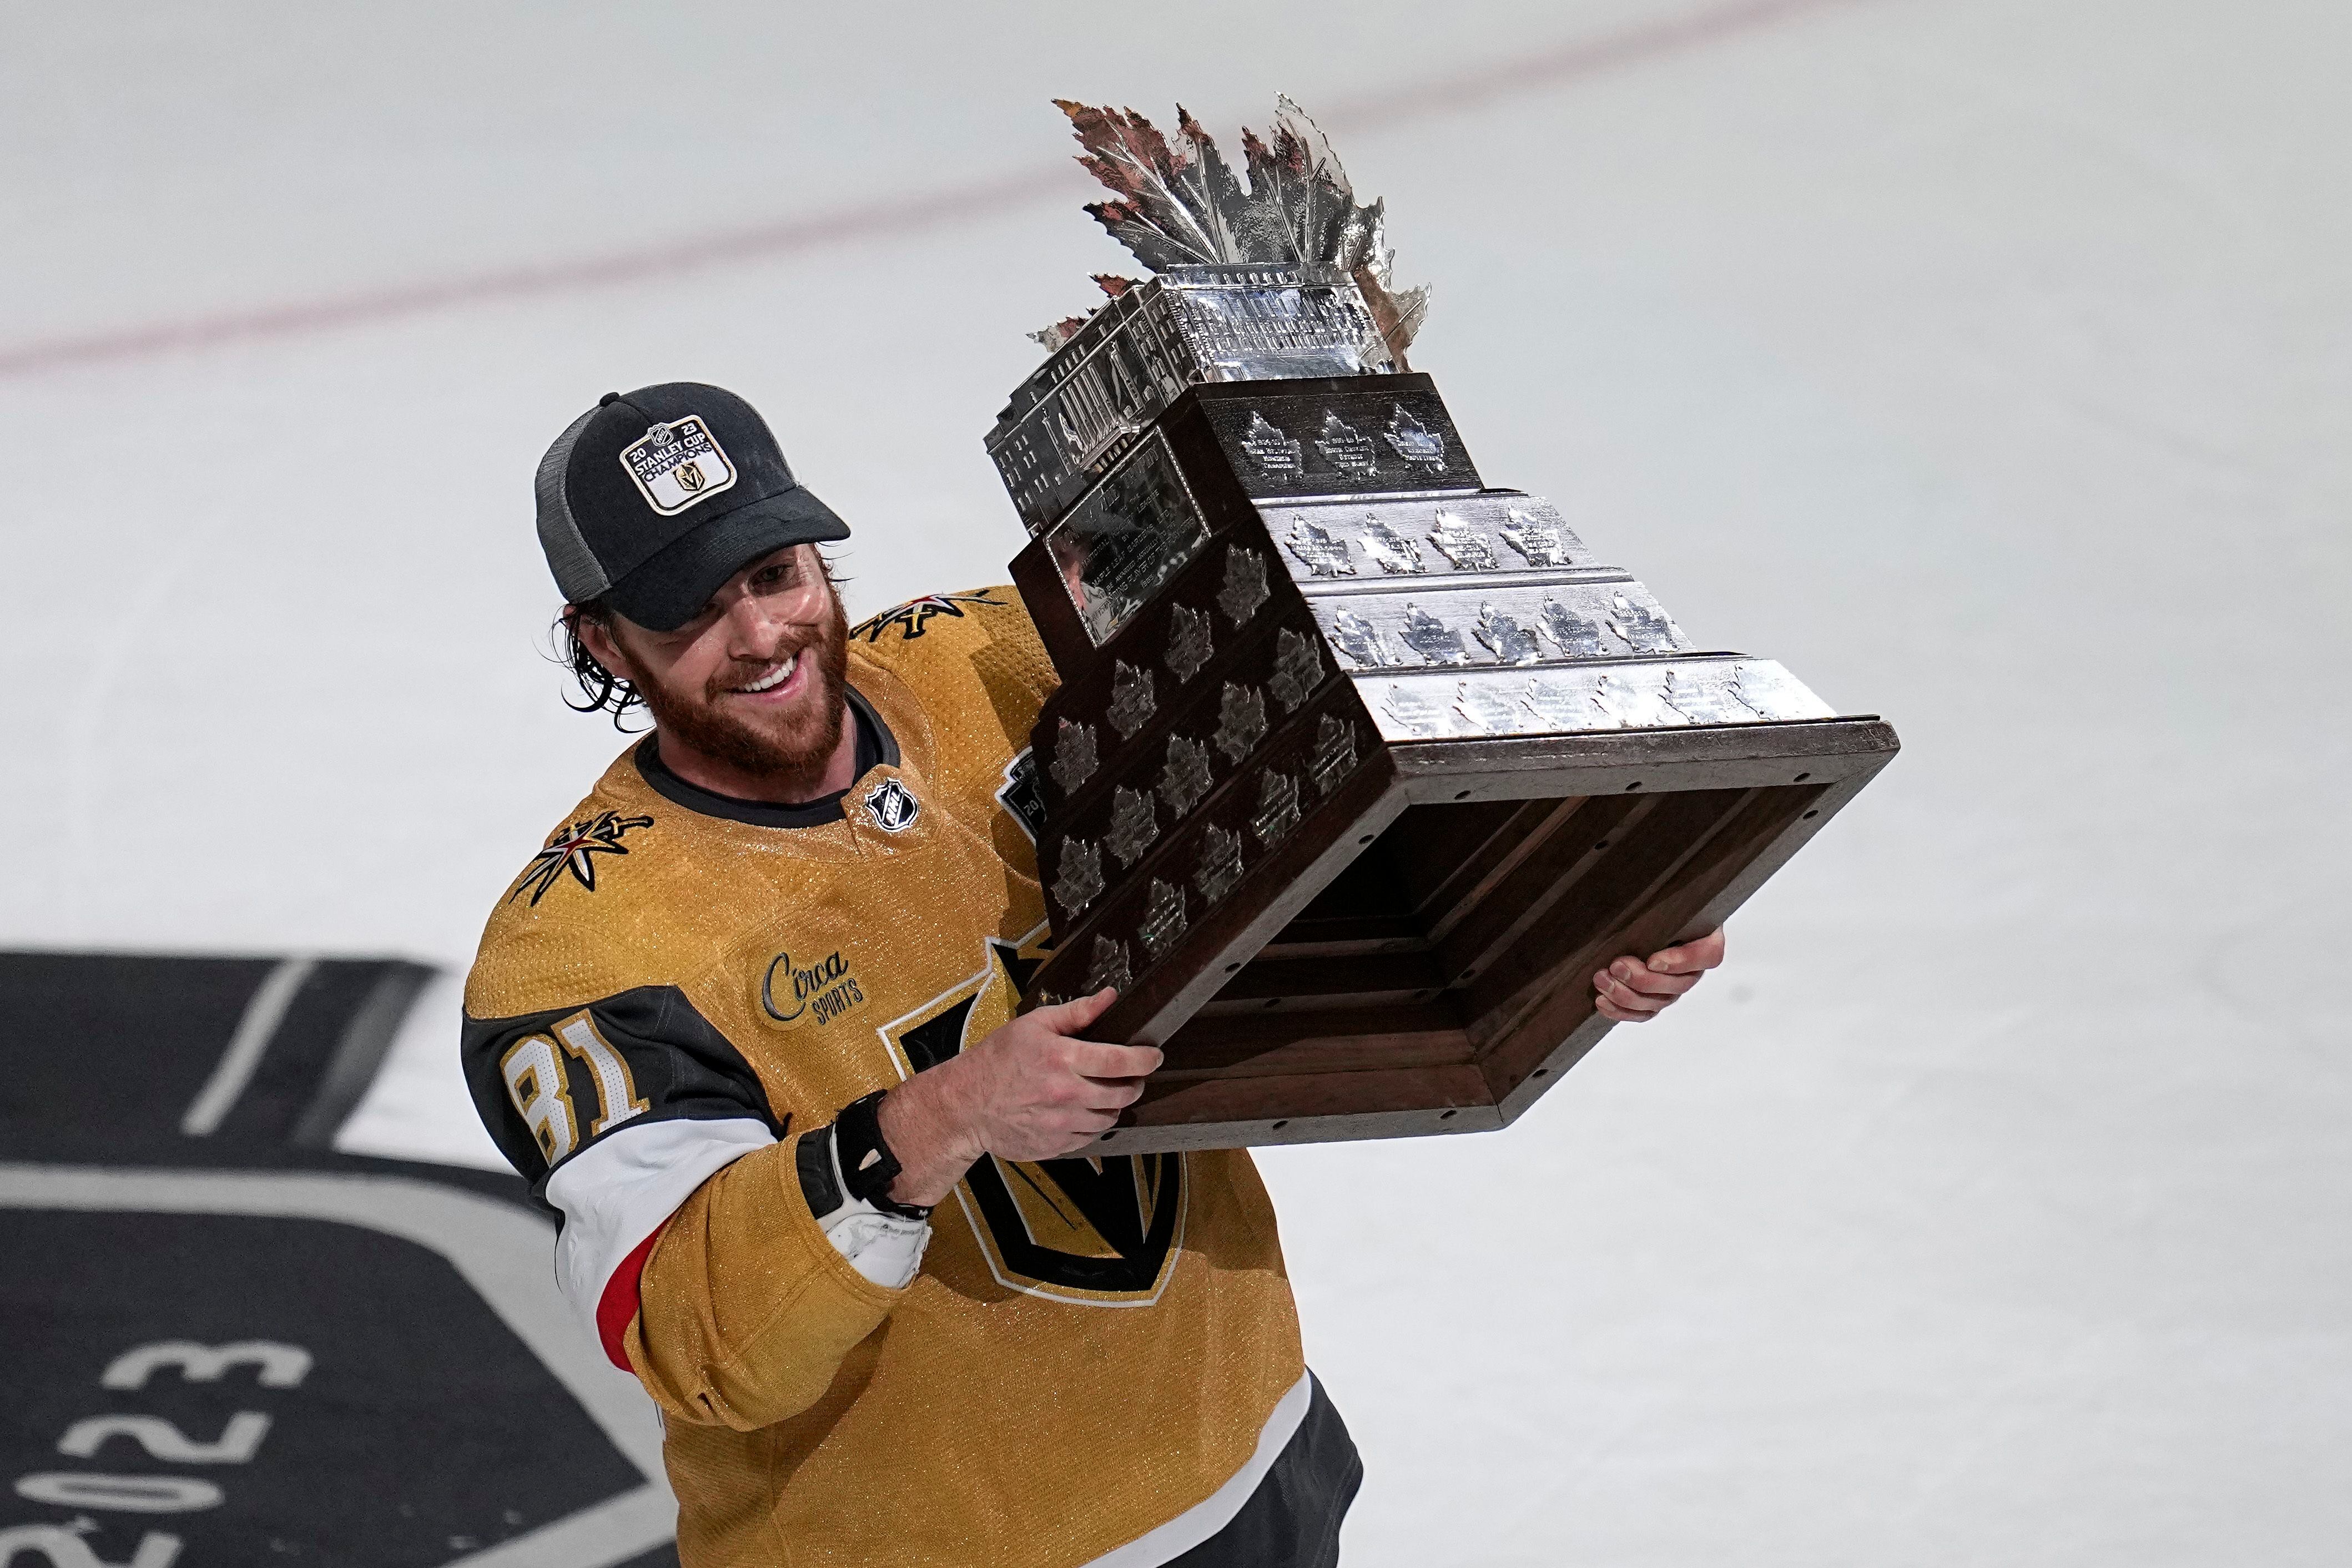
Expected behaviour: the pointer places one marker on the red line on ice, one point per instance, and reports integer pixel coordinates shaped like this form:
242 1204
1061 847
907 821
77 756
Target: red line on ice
1465 92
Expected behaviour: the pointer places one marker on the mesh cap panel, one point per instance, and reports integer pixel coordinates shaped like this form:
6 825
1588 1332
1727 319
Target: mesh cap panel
579 577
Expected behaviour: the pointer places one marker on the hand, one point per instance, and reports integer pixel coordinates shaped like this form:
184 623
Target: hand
1031 1091
1632 991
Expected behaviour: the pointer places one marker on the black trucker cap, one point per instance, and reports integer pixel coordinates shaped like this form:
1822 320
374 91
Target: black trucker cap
654 498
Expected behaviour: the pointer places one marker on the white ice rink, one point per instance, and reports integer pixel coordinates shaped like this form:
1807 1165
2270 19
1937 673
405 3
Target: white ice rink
1987 361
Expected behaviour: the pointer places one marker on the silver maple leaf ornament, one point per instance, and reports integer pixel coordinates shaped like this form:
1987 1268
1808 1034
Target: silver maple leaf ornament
1178 204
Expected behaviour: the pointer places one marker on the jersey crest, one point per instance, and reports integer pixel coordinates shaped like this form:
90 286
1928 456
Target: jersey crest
1090 1232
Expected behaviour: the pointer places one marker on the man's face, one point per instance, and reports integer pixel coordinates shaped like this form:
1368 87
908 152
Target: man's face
756 678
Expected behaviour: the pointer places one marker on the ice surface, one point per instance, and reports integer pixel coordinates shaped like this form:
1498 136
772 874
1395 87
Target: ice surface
417 1107
1987 364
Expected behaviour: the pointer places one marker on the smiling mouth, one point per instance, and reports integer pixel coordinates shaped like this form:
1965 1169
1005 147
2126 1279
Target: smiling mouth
772 679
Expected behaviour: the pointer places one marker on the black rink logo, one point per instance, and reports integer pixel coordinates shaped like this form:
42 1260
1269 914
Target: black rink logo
826 987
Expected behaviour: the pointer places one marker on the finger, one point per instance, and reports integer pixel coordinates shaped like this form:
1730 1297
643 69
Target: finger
1609 983
1699 954
1640 977
1616 1014
1070 1017
1612 989
1110 1094
1086 1125
1062 1119
1054 1142
1095 1060
1074 1141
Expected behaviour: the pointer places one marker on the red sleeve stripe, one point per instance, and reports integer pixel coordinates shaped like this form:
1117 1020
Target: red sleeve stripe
619 1305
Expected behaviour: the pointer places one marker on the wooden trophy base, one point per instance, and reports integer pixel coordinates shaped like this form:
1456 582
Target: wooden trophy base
1438 978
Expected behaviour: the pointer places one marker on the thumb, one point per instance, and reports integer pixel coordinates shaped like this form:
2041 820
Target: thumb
1070 1017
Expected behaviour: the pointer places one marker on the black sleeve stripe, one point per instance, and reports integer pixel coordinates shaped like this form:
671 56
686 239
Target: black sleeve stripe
673 1065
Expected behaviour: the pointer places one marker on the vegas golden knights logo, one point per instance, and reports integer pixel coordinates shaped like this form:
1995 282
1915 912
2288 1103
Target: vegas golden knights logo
688 475
1095 1233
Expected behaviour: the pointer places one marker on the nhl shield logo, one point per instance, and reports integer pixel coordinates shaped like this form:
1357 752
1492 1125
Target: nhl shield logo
892 806
676 465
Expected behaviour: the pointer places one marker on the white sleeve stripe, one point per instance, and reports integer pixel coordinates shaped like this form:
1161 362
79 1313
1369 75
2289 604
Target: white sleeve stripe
624 1187
1204 1519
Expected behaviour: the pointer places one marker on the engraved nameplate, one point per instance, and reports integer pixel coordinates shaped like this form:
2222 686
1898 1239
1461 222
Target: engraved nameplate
1463 535
1396 439
1125 537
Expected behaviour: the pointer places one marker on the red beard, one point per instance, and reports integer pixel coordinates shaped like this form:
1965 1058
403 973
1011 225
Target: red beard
787 746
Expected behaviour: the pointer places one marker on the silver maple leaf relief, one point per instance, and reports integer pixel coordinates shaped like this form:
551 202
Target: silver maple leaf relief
1178 204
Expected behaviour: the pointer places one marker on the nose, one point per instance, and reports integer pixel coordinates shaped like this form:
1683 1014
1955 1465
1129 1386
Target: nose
756 628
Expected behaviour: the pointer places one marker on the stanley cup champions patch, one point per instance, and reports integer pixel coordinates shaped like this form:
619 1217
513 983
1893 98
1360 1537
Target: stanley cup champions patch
676 464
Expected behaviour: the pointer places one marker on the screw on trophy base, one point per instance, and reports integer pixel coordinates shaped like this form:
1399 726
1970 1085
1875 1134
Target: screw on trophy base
1360 767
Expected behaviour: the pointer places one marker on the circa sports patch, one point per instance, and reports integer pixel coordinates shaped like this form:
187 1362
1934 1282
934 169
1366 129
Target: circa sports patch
676 464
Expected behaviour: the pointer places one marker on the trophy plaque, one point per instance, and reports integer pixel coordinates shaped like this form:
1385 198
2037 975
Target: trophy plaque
1360 767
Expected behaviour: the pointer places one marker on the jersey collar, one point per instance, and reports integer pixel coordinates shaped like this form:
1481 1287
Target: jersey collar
876 748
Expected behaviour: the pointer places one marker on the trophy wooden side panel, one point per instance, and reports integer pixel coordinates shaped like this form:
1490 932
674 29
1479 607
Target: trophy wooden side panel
1289 782
1443 982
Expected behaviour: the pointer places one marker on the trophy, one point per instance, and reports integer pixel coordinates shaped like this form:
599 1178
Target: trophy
1360 767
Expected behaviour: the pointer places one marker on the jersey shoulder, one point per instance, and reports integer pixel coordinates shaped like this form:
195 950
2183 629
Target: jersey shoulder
947 625
564 930
942 645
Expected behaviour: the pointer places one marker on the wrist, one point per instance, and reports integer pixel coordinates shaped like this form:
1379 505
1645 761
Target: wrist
864 1160
933 1146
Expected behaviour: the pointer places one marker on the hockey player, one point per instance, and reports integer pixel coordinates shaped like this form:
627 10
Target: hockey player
746 1021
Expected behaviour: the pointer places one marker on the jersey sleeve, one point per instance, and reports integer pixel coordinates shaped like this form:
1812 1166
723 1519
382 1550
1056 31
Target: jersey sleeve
691 1243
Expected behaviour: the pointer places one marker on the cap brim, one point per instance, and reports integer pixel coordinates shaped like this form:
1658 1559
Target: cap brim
667 591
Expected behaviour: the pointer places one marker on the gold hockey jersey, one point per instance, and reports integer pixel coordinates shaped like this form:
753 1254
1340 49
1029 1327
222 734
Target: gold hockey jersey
678 985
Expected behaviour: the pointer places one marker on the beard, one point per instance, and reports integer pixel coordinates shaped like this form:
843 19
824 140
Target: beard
787 746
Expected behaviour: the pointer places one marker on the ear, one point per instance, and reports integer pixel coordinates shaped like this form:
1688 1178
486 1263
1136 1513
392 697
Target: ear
597 638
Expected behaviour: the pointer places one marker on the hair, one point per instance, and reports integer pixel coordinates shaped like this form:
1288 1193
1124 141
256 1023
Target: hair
600 689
